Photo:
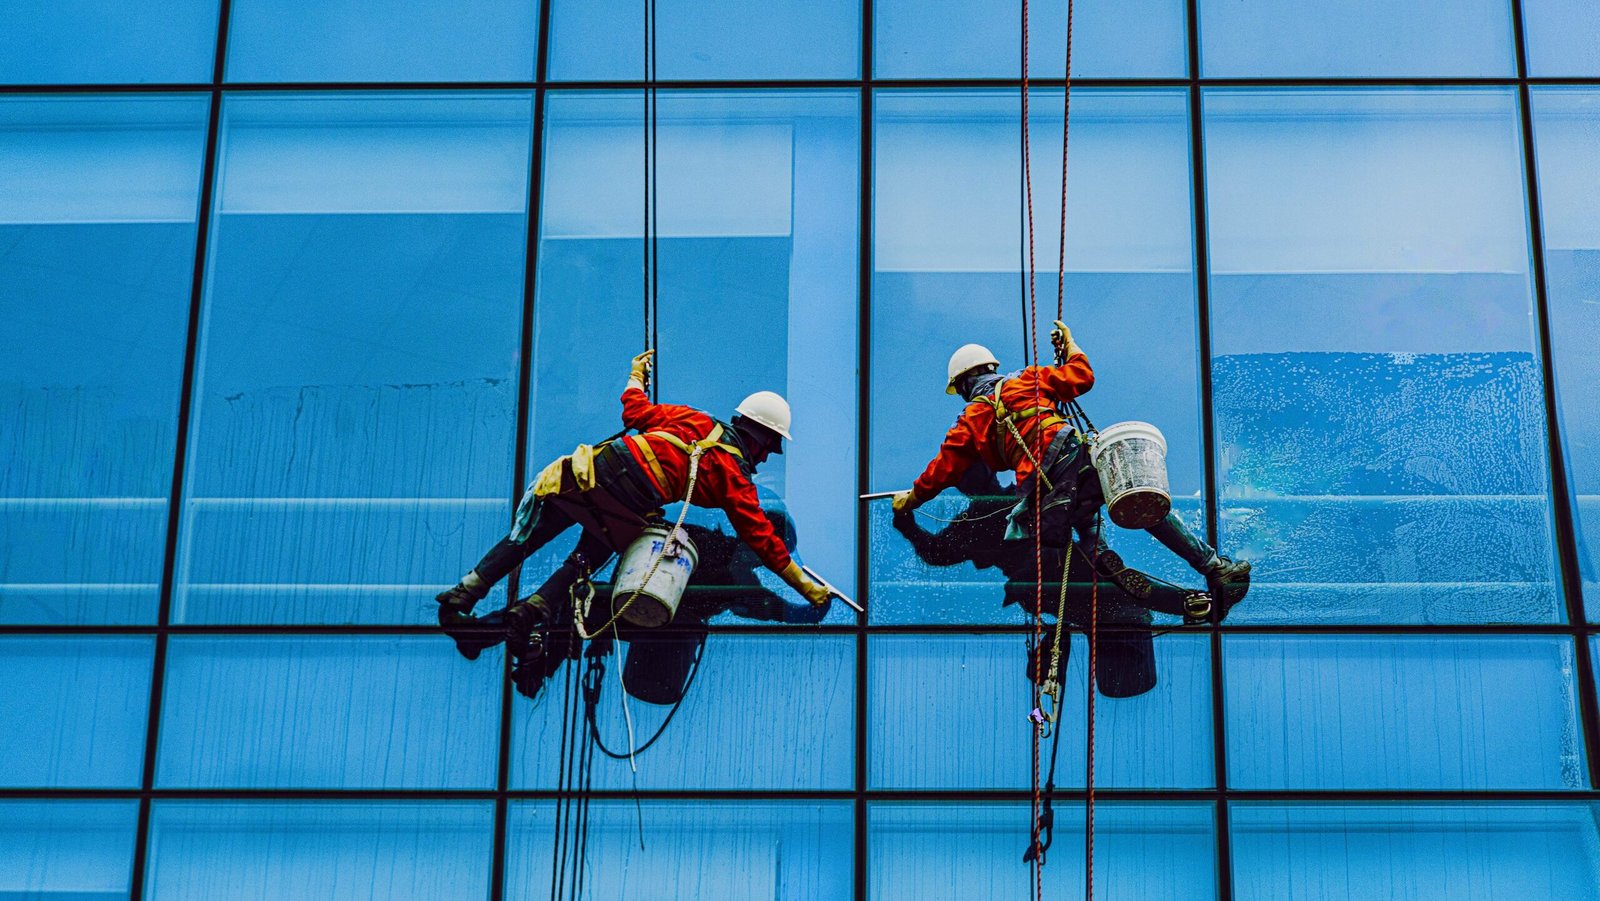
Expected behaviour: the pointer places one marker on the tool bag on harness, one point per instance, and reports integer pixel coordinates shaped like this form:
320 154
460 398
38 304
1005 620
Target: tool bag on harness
1071 492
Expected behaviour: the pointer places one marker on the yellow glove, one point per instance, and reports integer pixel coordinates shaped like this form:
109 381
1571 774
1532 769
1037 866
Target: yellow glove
639 375
905 501
800 582
1061 338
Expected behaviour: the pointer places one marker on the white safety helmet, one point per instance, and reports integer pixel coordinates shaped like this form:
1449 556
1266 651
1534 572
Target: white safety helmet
767 408
967 358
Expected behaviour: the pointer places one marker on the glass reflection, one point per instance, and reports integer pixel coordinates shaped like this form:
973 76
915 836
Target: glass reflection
66 849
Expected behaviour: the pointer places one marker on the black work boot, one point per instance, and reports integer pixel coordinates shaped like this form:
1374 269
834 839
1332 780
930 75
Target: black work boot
526 628
1228 581
1196 607
1132 582
457 621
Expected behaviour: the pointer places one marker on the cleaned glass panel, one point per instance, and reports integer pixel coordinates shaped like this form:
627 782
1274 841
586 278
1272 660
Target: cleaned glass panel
1378 397
963 851
355 410
758 244
98 203
734 850
1459 852
80 721
1566 125
932 695
951 38
1402 712
946 263
706 39
349 712
1563 37
270 850
1356 38
382 40
109 42
758 712
81 850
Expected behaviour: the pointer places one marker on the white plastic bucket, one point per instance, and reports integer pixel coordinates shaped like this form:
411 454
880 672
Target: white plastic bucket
1131 458
658 599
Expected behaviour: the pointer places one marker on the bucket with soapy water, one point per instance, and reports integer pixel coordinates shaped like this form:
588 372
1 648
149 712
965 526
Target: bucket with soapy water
657 600
1131 458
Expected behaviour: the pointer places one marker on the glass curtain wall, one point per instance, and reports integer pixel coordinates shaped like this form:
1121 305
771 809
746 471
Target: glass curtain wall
296 296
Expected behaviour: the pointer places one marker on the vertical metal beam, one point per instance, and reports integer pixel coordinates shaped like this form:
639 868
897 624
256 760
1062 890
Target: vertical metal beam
519 463
1560 501
169 563
864 234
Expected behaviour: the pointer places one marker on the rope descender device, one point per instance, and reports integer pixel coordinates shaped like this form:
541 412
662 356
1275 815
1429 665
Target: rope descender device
1048 713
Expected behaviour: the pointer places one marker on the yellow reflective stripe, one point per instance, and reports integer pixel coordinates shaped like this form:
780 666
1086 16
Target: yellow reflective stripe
650 459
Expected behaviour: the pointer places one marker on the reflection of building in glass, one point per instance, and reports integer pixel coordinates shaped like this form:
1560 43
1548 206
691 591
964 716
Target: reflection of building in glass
295 294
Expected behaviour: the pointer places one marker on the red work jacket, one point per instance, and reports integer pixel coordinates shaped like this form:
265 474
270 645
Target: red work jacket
976 436
720 481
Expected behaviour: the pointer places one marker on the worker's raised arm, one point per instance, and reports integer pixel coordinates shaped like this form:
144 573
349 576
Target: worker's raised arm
1073 377
637 410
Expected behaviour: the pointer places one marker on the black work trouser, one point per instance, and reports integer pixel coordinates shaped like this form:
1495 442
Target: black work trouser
619 475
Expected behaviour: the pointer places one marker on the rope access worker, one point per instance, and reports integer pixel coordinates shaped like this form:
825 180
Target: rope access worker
613 490
1006 419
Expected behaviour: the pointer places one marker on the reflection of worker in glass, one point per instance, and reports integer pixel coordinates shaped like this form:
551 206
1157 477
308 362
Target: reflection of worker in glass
612 490
1008 421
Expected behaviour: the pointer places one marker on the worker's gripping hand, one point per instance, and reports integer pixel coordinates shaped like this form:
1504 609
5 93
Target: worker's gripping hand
816 594
802 583
904 502
642 364
1061 339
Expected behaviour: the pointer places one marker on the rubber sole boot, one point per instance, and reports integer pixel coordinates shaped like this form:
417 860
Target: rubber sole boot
1132 582
470 634
1228 583
1197 607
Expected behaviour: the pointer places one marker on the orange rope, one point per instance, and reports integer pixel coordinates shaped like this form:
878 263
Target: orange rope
1030 330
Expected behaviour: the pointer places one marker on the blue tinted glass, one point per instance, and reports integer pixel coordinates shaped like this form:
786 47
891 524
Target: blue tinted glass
1153 717
758 245
1355 38
757 712
604 39
272 850
327 712
354 414
98 200
947 38
1436 852
81 721
1563 37
964 851
374 40
1567 138
66 849
945 272
108 42
738 851
1379 406
1354 712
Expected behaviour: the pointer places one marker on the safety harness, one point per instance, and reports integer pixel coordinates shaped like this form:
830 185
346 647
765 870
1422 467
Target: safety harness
712 441
1004 416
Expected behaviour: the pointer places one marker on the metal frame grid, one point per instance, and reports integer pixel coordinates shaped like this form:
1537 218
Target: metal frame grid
1576 629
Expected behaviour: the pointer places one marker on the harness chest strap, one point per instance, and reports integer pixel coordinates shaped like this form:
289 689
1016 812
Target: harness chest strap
1009 418
711 440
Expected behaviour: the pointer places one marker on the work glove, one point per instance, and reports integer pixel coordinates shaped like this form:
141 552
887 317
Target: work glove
905 501
1061 338
816 594
639 375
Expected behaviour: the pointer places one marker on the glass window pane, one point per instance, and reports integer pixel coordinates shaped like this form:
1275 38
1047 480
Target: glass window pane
355 408
1357 712
382 40
327 712
963 851
98 202
81 723
271 850
738 851
1567 138
109 42
953 39
1563 37
1379 406
1463 852
1356 38
946 271
603 40
757 216
1157 737
66 849
758 712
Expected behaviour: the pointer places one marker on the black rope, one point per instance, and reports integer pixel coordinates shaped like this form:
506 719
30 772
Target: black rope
595 728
